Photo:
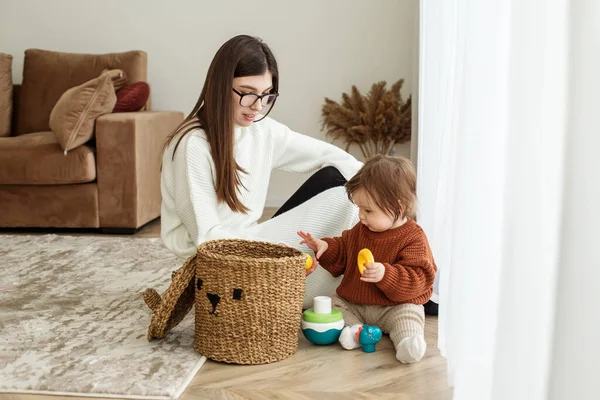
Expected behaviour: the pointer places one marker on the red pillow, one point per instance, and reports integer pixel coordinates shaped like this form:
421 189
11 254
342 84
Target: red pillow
132 97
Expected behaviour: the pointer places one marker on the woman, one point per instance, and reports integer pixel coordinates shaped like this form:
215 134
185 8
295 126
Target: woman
217 165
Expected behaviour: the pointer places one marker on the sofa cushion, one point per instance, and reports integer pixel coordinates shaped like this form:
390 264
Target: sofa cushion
6 89
74 116
48 74
38 159
49 206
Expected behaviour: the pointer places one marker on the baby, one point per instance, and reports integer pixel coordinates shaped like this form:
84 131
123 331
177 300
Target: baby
391 291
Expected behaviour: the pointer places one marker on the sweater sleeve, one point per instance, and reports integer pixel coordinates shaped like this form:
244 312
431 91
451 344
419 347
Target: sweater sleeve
203 195
412 275
300 153
334 259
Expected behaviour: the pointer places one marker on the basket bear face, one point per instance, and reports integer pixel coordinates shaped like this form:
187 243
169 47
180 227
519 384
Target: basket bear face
215 298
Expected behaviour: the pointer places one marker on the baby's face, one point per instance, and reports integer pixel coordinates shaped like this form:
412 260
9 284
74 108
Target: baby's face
372 216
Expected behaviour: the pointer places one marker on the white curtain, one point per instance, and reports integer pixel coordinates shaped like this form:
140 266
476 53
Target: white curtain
508 190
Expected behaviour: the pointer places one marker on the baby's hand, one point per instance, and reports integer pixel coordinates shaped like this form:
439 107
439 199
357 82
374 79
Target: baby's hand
317 245
373 273
315 264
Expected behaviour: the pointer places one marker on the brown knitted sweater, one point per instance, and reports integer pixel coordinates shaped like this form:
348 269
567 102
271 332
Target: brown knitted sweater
405 253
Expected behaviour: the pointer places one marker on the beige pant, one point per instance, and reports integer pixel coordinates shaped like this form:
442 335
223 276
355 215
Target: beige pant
401 321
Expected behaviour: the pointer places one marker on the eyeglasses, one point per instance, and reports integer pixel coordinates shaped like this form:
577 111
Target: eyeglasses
248 99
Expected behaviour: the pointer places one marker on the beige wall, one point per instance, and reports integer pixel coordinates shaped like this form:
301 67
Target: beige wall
323 47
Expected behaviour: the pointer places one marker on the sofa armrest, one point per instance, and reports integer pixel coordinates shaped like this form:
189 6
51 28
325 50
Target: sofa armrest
128 158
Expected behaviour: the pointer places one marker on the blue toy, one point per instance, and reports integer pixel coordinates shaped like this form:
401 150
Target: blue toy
368 336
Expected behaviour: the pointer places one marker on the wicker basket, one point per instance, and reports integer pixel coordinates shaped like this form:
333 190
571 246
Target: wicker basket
248 301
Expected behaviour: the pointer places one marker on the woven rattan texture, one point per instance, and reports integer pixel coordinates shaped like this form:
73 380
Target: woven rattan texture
248 301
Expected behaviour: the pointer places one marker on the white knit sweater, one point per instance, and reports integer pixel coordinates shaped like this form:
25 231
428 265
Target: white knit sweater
191 215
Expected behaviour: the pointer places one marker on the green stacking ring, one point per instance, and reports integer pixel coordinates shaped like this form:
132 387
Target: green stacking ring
310 316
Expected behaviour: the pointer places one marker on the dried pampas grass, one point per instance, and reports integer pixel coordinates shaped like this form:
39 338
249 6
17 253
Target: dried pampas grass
374 122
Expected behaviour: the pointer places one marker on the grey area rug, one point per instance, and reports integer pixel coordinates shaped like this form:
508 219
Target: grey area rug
73 321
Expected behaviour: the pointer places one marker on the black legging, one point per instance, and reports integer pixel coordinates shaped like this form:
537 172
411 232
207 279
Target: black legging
320 181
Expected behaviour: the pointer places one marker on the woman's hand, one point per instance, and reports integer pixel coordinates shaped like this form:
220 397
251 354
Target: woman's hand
317 245
373 273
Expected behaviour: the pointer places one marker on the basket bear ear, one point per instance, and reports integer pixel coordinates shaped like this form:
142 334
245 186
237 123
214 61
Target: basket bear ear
177 301
152 299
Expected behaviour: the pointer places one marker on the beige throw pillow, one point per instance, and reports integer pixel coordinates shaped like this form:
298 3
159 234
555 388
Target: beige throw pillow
74 116
119 79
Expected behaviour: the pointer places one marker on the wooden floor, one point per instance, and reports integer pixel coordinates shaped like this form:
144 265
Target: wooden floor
317 372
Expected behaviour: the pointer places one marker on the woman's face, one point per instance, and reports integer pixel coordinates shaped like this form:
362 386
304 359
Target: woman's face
257 84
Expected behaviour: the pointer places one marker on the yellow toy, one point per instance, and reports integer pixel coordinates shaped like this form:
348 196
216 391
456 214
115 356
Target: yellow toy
309 262
364 257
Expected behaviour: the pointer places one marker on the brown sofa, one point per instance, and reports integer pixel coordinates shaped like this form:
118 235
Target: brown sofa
110 182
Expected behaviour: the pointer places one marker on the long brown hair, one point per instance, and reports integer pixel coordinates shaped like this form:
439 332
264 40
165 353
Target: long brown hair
240 56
